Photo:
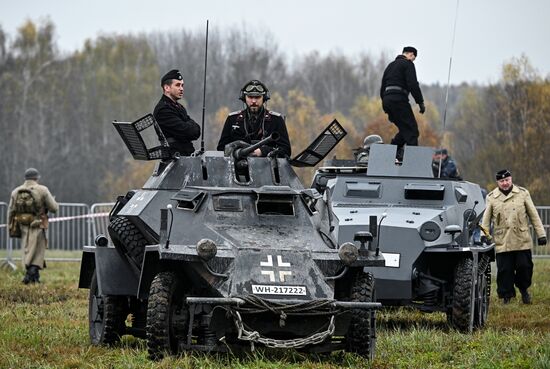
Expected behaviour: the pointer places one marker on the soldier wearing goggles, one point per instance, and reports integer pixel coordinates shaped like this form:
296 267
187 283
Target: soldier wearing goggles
255 122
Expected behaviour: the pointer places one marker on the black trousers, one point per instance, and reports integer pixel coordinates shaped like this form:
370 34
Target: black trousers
400 113
513 267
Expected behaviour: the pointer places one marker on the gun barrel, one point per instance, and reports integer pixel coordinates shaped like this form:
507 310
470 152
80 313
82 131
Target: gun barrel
244 152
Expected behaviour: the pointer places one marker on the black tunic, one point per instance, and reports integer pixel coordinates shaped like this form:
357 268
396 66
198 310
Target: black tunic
402 73
240 126
400 76
176 125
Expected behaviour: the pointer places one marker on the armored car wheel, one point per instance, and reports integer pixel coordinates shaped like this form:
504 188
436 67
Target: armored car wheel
460 313
362 329
481 308
106 316
167 315
128 239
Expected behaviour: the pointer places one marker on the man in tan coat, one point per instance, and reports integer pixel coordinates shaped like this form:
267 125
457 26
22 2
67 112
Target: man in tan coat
509 208
28 219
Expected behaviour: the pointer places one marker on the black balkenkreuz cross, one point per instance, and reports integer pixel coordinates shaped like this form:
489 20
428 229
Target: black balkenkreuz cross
276 268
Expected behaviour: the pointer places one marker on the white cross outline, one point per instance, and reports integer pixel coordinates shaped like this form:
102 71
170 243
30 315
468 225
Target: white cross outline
270 273
269 262
282 274
280 264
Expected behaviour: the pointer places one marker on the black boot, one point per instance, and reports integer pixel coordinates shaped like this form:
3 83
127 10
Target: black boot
34 272
36 276
525 297
27 279
399 155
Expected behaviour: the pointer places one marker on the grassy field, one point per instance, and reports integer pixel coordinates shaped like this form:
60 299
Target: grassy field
45 326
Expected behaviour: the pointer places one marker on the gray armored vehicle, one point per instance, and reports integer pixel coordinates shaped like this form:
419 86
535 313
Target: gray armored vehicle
423 225
220 251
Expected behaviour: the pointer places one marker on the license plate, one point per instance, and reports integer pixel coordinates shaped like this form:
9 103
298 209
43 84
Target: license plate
261 289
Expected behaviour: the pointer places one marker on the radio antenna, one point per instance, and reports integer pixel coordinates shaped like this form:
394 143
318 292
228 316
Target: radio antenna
448 84
204 89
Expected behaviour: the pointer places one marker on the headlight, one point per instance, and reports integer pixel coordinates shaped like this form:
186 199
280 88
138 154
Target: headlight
430 231
348 253
206 249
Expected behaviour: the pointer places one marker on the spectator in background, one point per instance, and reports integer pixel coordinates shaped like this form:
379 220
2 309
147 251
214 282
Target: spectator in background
441 159
509 208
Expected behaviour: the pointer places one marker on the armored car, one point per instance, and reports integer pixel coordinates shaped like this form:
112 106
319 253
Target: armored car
424 226
222 251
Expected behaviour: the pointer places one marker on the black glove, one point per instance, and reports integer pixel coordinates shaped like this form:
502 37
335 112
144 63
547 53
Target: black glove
422 108
487 240
542 241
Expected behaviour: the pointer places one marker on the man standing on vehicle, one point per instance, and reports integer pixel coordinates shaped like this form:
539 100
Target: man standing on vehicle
176 125
509 208
28 220
398 81
255 122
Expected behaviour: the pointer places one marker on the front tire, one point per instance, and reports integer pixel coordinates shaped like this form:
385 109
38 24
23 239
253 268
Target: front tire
167 315
105 316
483 297
361 336
462 295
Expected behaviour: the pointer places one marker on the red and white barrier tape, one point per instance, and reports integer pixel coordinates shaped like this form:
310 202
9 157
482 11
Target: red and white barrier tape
62 219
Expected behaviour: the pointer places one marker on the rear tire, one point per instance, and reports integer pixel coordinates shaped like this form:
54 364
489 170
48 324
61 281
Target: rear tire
106 316
361 336
128 239
167 315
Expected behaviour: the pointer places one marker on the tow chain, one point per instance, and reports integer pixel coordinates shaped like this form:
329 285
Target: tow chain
255 337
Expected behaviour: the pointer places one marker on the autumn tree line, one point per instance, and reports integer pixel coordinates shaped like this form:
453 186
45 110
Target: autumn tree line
56 108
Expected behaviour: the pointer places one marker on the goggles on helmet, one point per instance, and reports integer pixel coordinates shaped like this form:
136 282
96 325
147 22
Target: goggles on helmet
254 88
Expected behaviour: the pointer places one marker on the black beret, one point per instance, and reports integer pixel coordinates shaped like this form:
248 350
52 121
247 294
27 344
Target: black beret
173 74
410 49
441 152
501 174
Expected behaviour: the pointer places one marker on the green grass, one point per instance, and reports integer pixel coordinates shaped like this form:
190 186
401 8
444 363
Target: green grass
45 326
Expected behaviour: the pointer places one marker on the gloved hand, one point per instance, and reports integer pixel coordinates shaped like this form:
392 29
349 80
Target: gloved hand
542 241
422 108
486 240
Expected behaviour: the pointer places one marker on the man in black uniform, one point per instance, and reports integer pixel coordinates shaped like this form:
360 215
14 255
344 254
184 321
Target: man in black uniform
255 122
398 81
176 125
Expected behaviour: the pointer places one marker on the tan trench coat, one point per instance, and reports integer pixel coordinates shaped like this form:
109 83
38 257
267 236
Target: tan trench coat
33 240
510 215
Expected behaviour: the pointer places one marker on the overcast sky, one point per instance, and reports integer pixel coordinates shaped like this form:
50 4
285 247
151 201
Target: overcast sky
488 32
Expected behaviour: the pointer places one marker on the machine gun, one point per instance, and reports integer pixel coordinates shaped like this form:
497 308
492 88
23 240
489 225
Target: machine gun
240 149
